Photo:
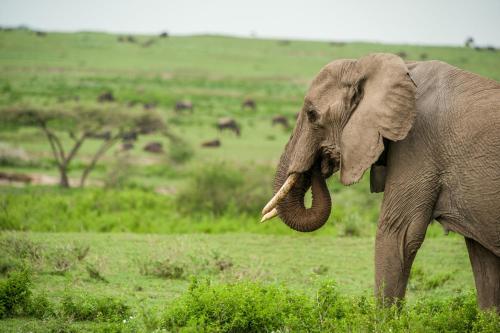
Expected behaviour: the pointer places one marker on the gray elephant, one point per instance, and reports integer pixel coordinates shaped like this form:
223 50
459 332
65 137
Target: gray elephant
430 133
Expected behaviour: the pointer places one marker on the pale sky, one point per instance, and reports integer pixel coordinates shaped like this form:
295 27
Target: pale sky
446 22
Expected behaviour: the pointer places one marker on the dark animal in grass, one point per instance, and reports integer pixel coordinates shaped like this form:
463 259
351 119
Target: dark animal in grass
154 147
106 96
184 105
127 145
249 103
430 134
129 136
229 124
15 177
402 54
149 105
211 143
164 34
40 33
281 120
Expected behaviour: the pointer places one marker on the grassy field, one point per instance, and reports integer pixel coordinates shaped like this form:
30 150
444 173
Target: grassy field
149 272
149 224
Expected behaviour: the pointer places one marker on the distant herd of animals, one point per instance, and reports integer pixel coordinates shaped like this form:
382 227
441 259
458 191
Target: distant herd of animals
222 124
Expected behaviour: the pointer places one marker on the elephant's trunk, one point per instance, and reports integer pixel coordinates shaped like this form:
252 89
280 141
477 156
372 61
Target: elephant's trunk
291 208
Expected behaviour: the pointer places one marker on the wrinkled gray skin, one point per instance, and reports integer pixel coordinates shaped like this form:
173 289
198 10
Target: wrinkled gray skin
440 160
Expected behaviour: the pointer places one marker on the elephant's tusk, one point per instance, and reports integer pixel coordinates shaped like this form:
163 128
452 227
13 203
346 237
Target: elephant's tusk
273 213
283 191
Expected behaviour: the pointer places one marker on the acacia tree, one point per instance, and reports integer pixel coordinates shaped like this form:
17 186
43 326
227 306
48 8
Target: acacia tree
110 124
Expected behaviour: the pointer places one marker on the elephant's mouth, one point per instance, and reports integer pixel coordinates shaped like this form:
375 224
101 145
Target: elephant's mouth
298 182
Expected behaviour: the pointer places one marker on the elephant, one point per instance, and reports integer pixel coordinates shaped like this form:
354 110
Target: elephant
430 134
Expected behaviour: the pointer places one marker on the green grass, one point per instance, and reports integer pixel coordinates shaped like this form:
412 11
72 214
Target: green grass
300 263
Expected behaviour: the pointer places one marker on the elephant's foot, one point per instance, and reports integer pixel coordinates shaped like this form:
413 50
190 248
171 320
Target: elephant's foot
486 269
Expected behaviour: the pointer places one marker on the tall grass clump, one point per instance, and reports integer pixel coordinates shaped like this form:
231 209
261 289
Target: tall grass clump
90 308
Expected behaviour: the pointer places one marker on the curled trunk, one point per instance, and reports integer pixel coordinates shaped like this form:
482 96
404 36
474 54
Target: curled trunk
292 209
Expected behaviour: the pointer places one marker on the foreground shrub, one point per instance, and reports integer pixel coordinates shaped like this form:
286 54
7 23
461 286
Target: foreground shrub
89 308
15 294
254 307
242 307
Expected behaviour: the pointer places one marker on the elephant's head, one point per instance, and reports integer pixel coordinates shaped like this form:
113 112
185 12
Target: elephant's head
350 107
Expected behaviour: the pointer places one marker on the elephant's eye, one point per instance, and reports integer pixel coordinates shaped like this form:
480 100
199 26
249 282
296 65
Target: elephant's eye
312 115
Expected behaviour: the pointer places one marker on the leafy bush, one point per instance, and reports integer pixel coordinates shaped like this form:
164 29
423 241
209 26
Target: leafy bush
40 307
88 308
220 188
15 294
254 307
243 307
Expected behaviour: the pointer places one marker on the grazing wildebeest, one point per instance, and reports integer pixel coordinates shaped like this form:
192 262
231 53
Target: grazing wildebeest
211 143
249 103
154 147
106 96
228 123
129 136
127 146
149 105
164 34
402 54
184 105
16 177
281 120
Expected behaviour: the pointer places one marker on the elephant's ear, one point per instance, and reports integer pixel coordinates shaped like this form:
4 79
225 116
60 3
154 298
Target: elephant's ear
386 109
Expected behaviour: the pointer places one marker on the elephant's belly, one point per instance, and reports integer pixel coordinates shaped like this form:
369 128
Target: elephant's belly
469 204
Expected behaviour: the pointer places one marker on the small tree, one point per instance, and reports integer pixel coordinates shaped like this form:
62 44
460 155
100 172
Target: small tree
111 124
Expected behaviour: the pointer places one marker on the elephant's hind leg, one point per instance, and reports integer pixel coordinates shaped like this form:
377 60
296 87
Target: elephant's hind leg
486 269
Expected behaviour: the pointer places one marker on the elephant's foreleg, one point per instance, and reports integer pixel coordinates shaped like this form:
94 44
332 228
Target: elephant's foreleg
486 269
395 250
